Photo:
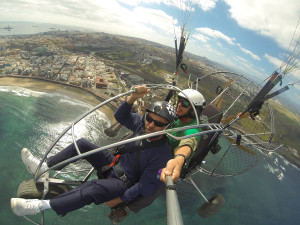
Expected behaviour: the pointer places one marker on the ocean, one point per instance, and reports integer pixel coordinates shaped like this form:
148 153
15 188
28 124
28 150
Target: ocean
24 28
33 118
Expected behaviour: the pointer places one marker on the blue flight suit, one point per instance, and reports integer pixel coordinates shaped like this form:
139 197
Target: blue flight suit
98 191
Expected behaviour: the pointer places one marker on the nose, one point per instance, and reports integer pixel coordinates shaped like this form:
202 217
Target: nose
151 124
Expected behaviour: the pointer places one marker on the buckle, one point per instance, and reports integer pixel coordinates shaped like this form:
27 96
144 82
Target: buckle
123 178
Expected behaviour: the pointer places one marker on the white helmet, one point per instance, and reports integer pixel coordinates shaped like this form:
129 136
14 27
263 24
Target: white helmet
194 96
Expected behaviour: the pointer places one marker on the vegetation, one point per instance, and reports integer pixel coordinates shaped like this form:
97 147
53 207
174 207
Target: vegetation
287 127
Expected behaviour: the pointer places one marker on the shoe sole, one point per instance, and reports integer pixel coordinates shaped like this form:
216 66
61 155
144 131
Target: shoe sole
12 205
23 160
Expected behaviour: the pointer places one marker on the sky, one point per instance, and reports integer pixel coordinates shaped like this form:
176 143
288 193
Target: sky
251 36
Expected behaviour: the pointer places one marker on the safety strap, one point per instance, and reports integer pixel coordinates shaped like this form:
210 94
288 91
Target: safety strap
122 176
138 149
116 160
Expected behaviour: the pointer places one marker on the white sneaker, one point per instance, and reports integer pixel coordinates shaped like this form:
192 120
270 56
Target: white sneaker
22 207
32 162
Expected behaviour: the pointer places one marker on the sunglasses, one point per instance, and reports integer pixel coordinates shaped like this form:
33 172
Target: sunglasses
156 123
185 103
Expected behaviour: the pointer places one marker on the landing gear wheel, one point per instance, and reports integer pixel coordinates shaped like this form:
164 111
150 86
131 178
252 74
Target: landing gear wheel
32 190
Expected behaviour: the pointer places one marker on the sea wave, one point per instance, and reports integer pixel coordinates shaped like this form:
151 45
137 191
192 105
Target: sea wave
278 172
20 91
25 92
90 127
286 162
73 102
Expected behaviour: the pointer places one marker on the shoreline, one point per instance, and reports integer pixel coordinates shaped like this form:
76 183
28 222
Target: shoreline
83 94
89 96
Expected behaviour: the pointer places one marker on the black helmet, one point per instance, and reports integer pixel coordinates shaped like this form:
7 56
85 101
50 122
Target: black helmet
163 109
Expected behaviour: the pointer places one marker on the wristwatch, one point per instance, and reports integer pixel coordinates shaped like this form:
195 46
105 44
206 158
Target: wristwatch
185 158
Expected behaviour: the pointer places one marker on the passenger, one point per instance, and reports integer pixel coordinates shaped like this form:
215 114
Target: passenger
184 149
123 182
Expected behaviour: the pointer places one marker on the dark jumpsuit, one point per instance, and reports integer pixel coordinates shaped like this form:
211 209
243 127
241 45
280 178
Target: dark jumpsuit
102 190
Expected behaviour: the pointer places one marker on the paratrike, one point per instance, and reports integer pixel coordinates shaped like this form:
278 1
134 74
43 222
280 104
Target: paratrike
237 130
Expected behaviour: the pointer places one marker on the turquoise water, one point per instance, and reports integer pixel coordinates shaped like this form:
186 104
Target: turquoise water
33 119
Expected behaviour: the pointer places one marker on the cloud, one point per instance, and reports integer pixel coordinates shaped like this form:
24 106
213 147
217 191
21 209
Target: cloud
248 68
201 37
205 34
248 52
111 17
274 19
291 76
215 34
298 89
273 60
152 17
296 74
207 4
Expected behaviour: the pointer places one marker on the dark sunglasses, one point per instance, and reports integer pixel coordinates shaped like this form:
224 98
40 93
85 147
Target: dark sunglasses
156 123
185 103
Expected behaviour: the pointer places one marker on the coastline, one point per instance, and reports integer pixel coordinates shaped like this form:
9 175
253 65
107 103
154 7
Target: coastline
88 95
82 94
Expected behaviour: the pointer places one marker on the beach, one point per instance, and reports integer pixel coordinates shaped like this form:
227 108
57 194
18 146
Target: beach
53 87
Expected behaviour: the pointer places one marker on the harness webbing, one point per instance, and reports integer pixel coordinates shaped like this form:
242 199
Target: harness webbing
115 160
138 149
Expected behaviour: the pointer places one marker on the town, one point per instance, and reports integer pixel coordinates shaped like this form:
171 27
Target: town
40 58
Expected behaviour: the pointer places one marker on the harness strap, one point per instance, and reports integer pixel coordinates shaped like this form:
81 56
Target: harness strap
115 160
138 149
122 176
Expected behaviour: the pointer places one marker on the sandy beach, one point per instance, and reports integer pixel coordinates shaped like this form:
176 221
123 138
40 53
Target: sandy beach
45 86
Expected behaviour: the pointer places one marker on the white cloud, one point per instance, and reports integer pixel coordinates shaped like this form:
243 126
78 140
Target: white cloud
297 95
204 33
274 19
207 4
139 2
296 74
291 76
215 34
245 66
273 60
201 38
111 17
238 58
248 52
152 17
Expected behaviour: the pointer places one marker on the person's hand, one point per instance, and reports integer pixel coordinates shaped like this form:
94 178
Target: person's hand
173 169
141 90
114 202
